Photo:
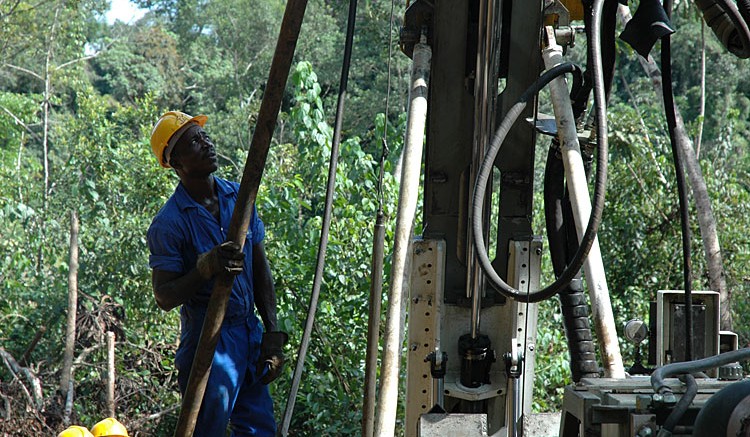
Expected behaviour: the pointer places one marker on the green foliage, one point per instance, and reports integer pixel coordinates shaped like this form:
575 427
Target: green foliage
213 57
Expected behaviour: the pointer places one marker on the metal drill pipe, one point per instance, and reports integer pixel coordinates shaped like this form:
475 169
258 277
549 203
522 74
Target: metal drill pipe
484 102
575 177
407 205
373 327
251 176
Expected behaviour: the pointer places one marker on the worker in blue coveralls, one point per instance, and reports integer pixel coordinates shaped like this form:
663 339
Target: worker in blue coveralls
187 240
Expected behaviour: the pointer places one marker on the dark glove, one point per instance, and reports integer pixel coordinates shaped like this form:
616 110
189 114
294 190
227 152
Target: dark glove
271 355
225 257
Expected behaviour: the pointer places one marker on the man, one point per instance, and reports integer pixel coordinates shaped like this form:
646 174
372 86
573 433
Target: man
187 240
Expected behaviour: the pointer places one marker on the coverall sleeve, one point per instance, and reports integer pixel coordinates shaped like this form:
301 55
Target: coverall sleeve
165 242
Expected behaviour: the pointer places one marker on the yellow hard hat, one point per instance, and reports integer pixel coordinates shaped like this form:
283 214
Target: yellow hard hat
75 431
109 427
169 124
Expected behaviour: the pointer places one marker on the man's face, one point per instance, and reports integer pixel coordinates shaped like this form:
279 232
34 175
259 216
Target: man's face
194 153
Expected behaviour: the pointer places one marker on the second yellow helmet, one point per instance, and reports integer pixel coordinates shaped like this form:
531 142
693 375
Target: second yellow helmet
109 427
75 431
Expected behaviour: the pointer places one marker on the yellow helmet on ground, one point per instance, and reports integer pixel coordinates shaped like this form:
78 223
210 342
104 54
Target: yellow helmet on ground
167 131
109 427
75 431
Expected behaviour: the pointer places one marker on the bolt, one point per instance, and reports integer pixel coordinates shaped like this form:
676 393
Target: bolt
645 432
657 399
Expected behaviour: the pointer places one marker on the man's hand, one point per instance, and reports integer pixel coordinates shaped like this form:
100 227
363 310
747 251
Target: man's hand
271 355
225 257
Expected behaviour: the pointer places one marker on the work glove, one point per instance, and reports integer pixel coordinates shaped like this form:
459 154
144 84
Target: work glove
225 257
271 355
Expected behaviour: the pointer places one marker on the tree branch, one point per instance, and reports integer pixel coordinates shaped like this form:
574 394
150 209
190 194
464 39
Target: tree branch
24 70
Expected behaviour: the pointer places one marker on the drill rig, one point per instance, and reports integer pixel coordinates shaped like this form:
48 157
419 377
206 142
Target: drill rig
471 328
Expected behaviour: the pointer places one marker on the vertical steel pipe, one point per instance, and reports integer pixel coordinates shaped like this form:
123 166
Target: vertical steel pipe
407 205
373 327
485 90
575 177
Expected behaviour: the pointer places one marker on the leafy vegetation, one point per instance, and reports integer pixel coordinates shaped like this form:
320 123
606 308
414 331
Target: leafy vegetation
77 101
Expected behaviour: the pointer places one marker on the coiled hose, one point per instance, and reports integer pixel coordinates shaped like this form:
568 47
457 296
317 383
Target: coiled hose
481 185
729 22
485 171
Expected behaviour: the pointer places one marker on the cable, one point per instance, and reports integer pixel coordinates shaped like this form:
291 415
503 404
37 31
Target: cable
682 405
385 149
695 366
330 192
376 274
666 83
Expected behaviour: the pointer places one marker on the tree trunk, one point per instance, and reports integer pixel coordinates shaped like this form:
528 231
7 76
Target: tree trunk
110 374
70 330
702 109
705 215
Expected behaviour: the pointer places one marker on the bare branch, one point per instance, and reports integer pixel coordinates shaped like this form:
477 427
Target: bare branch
84 58
24 70
21 122
156 415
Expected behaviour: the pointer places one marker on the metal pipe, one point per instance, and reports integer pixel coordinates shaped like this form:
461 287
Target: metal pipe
575 177
373 327
251 176
485 87
407 206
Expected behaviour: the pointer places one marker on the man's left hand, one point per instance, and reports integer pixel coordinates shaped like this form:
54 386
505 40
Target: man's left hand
271 355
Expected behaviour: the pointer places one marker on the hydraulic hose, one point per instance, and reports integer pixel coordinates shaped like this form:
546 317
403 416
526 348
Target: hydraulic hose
481 185
692 367
580 97
666 81
729 22
575 312
682 405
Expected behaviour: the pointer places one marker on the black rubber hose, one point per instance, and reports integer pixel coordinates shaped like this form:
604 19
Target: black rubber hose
744 8
666 83
692 367
682 405
575 311
608 53
563 242
729 22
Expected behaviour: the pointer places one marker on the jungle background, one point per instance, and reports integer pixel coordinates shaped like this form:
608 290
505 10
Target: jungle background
78 98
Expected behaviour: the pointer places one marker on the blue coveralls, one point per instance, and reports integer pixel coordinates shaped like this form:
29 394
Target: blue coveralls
181 231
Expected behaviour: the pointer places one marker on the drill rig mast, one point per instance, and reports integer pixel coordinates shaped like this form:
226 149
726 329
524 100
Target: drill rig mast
471 329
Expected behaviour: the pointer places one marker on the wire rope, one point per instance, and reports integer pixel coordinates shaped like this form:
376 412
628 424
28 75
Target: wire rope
326 226
669 108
